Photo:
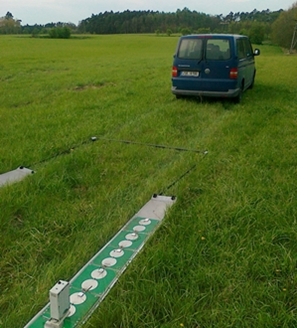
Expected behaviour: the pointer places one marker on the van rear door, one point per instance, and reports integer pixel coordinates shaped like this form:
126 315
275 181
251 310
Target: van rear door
218 63
188 63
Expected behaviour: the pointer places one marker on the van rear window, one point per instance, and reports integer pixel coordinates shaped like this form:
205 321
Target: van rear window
218 49
190 49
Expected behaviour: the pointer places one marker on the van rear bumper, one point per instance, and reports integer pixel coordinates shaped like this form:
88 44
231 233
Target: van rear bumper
199 93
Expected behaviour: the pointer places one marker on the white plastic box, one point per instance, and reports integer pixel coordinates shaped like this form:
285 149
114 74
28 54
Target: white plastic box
59 300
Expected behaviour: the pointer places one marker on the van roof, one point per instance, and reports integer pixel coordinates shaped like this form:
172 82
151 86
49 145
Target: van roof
209 35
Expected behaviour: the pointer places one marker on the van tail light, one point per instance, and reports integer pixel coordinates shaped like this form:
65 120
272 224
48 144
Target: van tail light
233 73
174 71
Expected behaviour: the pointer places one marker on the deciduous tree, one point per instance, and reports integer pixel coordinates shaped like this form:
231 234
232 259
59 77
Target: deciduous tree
283 27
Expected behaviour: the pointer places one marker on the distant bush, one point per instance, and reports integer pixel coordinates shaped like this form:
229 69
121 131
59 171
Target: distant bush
169 32
257 33
203 30
185 31
35 32
60 33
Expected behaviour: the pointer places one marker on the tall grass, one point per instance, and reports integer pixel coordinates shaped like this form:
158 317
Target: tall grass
225 255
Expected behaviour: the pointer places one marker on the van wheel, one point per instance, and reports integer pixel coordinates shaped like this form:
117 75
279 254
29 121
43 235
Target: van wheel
253 82
238 98
179 96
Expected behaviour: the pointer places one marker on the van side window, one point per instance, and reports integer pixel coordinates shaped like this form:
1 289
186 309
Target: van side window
240 49
190 49
244 48
218 49
247 48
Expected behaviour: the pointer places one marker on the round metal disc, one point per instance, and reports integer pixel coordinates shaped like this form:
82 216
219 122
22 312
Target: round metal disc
132 236
139 228
89 284
109 262
99 273
72 310
77 298
117 253
146 221
125 243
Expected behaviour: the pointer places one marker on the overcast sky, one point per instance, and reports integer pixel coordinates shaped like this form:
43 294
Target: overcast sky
47 11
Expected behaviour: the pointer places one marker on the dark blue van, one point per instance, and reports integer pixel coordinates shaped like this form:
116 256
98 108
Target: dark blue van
213 65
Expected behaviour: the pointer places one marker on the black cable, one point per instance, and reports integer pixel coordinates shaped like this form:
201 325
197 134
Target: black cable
62 152
92 139
151 145
180 177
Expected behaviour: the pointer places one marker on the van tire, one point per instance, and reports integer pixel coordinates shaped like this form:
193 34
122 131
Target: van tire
253 81
238 98
179 96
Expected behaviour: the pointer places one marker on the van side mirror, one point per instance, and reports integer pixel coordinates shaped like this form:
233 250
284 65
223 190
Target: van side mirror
256 52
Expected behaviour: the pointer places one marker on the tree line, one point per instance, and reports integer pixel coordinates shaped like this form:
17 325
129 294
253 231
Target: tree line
276 26
178 22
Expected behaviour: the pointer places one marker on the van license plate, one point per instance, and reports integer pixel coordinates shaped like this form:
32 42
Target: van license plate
189 73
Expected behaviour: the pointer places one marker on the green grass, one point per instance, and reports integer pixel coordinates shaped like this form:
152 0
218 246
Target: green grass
225 255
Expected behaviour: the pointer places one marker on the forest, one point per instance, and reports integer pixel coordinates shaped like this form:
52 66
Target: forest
150 21
274 26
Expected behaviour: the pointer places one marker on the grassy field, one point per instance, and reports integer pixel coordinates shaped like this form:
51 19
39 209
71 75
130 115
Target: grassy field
226 255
